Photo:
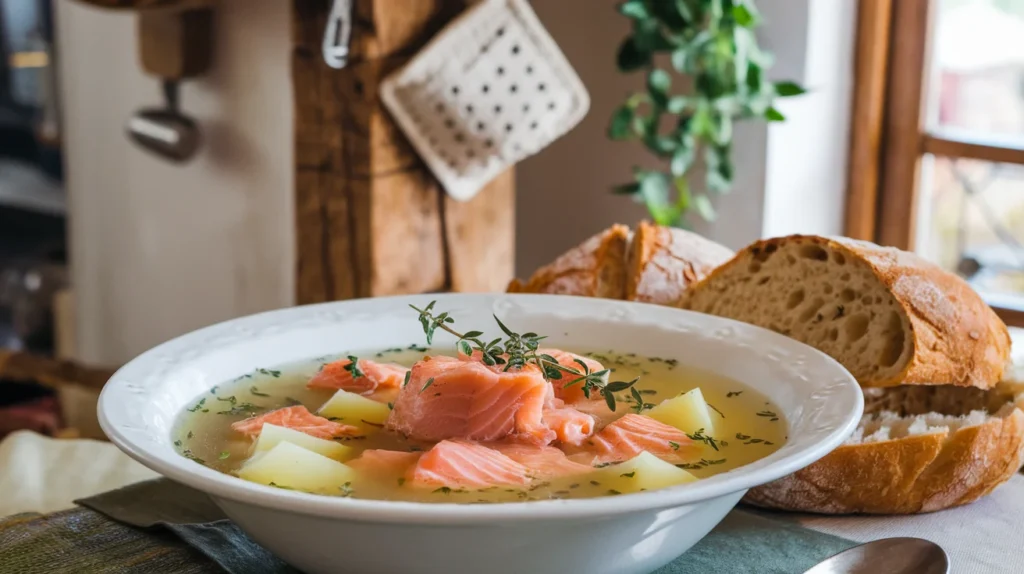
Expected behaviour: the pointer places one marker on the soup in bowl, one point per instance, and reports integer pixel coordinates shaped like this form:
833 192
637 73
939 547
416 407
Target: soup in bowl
500 433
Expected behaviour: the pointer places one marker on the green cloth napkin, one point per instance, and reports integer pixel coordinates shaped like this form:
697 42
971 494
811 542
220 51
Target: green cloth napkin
161 526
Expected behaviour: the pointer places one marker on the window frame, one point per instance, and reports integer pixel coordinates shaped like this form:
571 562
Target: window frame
889 133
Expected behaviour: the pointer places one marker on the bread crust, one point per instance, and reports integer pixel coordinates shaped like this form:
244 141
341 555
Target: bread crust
594 268
956 338
665 261
908 475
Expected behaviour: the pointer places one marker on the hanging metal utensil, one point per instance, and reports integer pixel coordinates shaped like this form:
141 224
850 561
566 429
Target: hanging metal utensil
338 33
166 131
174 45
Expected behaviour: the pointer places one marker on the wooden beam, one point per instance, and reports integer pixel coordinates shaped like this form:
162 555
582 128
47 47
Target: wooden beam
908 68
370 218
874 21
949 144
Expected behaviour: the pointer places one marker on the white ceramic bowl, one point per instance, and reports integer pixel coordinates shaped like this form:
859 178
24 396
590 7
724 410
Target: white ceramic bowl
634 533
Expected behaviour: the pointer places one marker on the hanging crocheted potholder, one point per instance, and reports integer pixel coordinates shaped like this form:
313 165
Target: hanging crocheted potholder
491 89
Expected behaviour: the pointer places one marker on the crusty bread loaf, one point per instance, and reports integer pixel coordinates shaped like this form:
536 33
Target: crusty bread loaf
654 265
594 268
888 316
665 261
918 449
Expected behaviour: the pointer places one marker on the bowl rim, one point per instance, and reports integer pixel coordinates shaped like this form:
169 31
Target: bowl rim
220 485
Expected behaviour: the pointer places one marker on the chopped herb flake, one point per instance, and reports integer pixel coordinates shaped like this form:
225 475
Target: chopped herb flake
225 455
346 489
256 392
732 394
699 436
188 454
716 410
177 443
628 474
429 382
674 445
198 406
353 367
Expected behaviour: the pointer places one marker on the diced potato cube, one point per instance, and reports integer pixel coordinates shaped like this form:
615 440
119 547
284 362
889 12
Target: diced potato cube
688 412
291 466
642 472
272 435
357 410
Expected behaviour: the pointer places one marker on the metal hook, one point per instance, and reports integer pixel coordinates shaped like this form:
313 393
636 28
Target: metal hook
338 33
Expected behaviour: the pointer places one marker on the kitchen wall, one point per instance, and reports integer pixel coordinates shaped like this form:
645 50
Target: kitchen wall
789 177
158 249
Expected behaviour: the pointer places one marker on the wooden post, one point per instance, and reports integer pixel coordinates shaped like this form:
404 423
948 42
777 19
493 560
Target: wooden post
370 218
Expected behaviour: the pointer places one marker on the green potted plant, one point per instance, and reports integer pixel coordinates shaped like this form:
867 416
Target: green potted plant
712 44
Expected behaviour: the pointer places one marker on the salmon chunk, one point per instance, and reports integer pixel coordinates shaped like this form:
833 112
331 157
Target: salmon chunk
296 418
378 462
632 434
574 393
458 464
570 425
376 377
543 461
448 398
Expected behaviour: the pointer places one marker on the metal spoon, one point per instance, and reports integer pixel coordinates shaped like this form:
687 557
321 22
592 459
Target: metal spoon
887 556
166 132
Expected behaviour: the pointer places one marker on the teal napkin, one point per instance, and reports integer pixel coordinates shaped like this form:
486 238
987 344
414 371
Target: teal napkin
745 542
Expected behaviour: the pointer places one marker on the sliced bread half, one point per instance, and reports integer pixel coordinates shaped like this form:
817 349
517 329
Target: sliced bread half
665 261
888 316
594 268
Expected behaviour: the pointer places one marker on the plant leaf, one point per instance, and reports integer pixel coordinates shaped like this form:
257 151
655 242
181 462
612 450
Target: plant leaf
774 115
743 16
754 77
787 89
680 58
703 205
676 104
619 129
635 9
684 10
682 159
503 327
630 57
609 399
658 81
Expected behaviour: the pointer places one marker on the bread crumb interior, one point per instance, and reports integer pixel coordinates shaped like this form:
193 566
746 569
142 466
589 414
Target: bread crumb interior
917 410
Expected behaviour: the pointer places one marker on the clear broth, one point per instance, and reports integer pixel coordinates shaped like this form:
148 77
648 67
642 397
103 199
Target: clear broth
747 426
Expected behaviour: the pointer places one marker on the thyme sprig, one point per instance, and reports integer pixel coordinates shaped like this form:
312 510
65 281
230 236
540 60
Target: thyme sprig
517 350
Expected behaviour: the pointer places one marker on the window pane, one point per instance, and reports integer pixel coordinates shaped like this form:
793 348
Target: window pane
971 220
977 83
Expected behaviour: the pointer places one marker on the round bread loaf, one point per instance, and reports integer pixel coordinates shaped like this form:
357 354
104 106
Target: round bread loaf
939 429
907 457
654 264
